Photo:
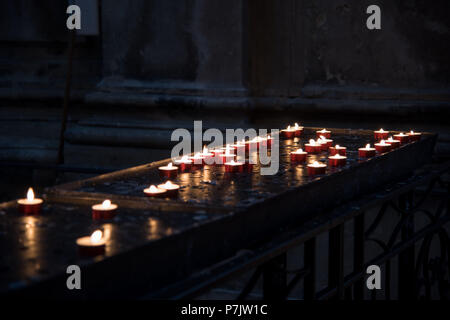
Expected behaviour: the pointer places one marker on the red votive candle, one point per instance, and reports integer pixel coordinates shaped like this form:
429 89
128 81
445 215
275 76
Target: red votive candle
30 205
414 136
324 132
248 166
298 156
313 147
252 145
224 158
403 138
209 157
338 150
288 133
382 147
155 192
93 245
239 147
169 171
106 210
184 164
316 168
325 143
337 160
229 149
233 166
197 160
394 143
380 135
367 152
298 130
171 189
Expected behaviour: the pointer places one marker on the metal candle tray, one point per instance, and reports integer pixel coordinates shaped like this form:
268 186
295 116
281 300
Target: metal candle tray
154 242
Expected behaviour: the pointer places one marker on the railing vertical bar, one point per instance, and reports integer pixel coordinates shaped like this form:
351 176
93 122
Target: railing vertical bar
406 274
358 255
275 278
310 264
336 260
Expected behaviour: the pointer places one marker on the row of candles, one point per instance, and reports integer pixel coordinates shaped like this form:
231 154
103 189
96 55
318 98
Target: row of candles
226 156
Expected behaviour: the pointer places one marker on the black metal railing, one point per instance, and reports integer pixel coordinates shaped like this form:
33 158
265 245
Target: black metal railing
409 270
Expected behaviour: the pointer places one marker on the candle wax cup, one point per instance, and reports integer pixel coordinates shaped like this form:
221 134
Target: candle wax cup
326 144
366 153
381 135
298 157
337 162
342 151
394 143
248 167
172 191
414 136
299 132
402 138
87 248
184 166
382 148
100 212
234 167
30 207
313 171
288 134
158 193
325 134
167 172
313 148
224 158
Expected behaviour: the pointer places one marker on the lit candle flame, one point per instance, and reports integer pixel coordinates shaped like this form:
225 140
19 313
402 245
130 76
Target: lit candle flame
170 166
315 164
383 143
381 130
268 137
168 184
153 189
106 204
412 132
232 162
30 194
289 128
299 150
323 130
296 125
312 142
322 138
184 158
96 237
368 146
337 146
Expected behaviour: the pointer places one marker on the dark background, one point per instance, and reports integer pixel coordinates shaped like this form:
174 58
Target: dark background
158 65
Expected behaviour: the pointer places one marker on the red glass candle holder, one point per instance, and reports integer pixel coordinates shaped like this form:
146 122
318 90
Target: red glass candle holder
394 143
316 170
248 166
323 133
171 189
29 208
298 156
380 135
367 152
234 167
170 171
309 148
224 158
288 133
337 161
155 192
103 211
414 136
403 138
382 148
184 164
342 151
90 249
